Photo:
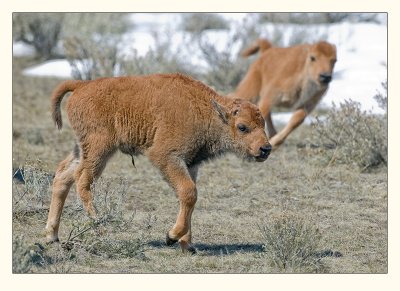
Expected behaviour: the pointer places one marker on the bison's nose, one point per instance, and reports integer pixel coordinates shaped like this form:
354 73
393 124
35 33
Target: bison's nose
265 150
325 78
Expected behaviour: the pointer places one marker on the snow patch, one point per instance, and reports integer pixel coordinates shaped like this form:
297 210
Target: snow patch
21 49
53 68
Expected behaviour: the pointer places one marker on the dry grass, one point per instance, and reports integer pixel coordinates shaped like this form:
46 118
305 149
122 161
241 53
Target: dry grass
340 214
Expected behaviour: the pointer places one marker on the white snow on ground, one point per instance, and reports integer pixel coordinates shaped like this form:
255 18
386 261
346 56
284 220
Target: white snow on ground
359 71
53 68
20 49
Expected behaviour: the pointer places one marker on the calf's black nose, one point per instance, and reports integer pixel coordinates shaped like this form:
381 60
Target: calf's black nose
325 78
266 150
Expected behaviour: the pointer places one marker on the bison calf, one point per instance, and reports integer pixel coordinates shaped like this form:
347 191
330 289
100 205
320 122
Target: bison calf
177 122
293 77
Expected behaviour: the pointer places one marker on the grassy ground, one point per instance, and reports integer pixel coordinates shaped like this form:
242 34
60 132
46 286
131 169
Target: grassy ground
292 213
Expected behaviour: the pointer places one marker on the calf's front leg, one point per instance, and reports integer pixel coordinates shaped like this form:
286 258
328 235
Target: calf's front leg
296 119
185 241
177 174
181 231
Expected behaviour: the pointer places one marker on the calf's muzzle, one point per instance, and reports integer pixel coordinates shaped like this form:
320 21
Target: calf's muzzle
265 150
325 78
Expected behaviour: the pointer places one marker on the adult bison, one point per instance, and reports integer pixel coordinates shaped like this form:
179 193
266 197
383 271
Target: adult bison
177 122
294 77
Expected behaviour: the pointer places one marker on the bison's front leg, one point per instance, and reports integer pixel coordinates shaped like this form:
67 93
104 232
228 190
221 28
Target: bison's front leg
185 241
177 174
187 194
296 119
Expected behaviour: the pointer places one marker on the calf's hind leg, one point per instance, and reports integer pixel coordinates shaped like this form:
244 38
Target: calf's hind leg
265 106
63 180
92 163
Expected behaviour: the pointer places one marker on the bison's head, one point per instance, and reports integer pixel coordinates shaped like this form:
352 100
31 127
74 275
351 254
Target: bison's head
245 127
320 62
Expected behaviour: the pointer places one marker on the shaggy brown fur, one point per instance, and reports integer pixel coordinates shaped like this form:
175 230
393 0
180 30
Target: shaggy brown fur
176 121
294 77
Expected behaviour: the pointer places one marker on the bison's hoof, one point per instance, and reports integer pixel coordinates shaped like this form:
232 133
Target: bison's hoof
191 250
51 241
187 247
169 241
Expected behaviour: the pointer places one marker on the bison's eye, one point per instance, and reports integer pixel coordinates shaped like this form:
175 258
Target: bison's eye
312 58
242 128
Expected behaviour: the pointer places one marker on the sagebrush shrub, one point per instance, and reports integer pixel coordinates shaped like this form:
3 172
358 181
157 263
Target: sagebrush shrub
44 31
355 136
92 45
109 200
99 24
291 243
33 193
158 59
90 58
198 22
381 97
21 257
225 69
40 30
316 18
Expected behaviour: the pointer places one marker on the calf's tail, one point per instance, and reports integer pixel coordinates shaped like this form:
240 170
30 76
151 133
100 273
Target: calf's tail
260 45
57 97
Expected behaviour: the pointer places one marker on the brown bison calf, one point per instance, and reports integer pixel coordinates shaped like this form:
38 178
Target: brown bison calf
177 122
294 77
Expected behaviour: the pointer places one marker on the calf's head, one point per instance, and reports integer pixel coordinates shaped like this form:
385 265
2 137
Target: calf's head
320 62
245 128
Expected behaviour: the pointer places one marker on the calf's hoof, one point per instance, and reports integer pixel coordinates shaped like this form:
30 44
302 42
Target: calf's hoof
169 241
187 247
191 250
50 241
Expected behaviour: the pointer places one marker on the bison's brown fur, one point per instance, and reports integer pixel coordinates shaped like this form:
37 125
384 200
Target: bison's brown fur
294 77
174 120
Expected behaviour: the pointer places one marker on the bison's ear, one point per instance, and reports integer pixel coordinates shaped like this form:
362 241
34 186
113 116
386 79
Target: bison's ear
221 110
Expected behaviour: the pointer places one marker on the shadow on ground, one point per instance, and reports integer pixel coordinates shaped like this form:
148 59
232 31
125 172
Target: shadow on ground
217 249
229 249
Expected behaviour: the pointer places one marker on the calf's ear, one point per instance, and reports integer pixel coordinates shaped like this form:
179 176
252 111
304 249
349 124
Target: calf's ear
221 110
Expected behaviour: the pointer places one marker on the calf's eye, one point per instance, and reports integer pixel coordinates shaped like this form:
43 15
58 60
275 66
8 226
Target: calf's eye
312 58
242 128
